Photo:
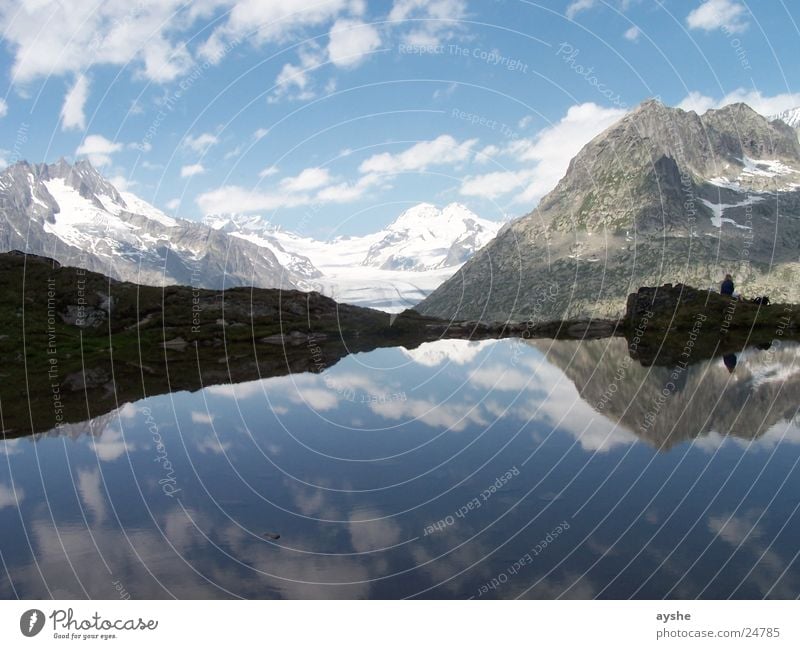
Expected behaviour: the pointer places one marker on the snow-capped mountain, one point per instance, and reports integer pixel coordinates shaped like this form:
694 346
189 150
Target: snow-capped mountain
422 238
284 245
790 117
75 216
426 238
391 269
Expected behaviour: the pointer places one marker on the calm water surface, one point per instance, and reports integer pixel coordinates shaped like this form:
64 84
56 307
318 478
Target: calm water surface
493 469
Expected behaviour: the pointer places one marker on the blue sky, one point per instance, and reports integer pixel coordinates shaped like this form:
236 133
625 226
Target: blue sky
332 116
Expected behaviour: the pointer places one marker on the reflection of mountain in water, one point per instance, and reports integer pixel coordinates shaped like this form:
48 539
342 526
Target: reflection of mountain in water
672 404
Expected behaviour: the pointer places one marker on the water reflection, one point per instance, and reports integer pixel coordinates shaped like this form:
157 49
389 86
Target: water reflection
456 469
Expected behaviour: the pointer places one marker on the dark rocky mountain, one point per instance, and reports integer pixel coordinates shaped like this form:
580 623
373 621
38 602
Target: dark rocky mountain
75 216
662 196
670 404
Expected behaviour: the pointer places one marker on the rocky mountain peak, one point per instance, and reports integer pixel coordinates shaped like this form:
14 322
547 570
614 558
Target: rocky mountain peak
662 196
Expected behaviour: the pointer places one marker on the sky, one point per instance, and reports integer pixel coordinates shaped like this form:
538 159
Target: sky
331 117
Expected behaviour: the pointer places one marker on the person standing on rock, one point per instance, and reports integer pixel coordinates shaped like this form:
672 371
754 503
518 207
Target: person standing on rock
727 286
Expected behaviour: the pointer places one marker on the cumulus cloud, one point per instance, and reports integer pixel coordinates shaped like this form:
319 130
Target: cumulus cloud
49 37
549 151
574 8
497 183
294 81
187 171
200 143
633 34
346 192
266 172
265 22
351 41
433 20
445 149
719 14
122 183
763 104
312 185
311 178
72 112
98 149
240 199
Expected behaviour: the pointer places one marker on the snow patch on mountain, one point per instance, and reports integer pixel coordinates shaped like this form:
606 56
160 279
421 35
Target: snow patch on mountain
790 117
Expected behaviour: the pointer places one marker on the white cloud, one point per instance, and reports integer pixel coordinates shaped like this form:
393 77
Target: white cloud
311 178
260 133
173 204
445 149
577 6
348 192
201 143
3 107
72 112
264 22
122 183
433 20
497 183
765 105
697 101
351 41
294 81
633 34
309 186
233 198
266 172
187 171
55 38
719 14
488 153
550 151
98 149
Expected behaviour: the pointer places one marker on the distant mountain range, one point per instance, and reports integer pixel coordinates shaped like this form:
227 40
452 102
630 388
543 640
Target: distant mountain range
72 214
391 269
75 216
662 196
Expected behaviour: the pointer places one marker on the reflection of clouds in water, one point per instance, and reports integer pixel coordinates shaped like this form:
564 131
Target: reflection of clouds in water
237 391
73 547
369 532
450 415
499 377
11 446
769 574
548 393
111 444
8 497
212 444
199 417
437 352
318 399
91 491
783 432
